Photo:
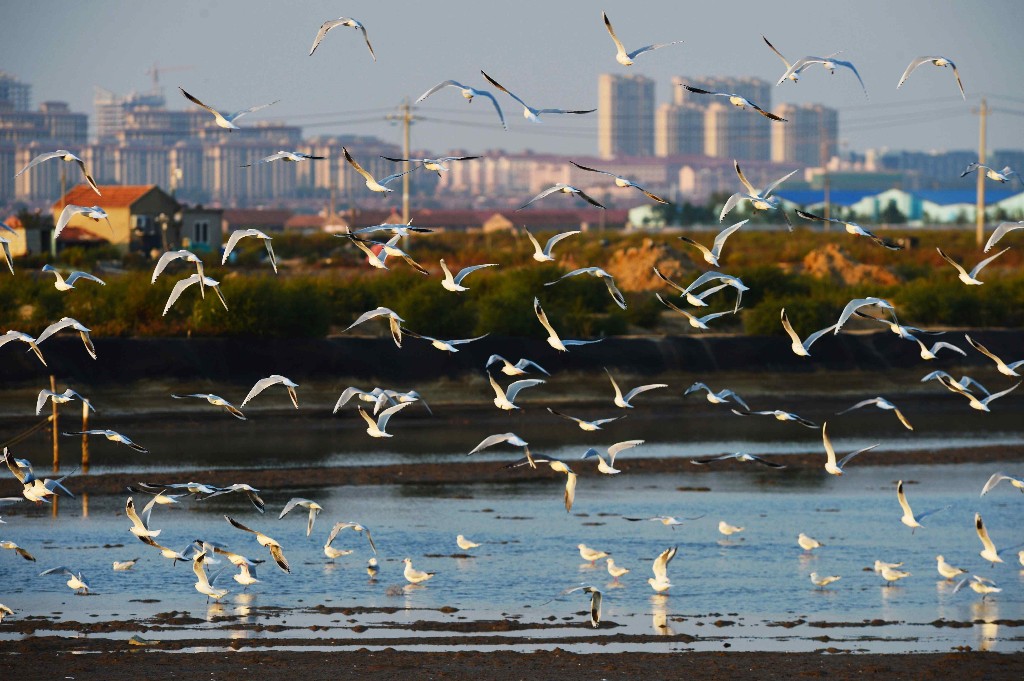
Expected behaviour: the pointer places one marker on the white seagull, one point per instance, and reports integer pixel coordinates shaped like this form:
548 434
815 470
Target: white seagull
499 438
760 200
666 520
830 63
799 347
853 228
949 572
929 353
891 575
558 467
1004 368
808 543
739 456
980 585
239 234
67 157
59 398
465 544
33 488
434 165
394 321
454 283
588 426
372 183
589 554
11 546
271 544
216 401
1002 176
226 121
660 581
341 21
563 188
737 101
609 282
468 92
111 435
712 254
696 322
626 58
517 369
721 397
203 584
544 254
831 466
204 283
998 478
982 404
124 565
67 283
444 345
378 428
613 451
10 336
935 61
355 527
170 256
413 575
387 248
139 527
965 382
75 581
858 303
621 181
793 75
504 399
274 379
314 510
68 323
970 278
529 113
1001 231
727 529
881 403
989 551
822 582
553 339
614 570
94 213
6 252
623 402
909 519
286 156
779 415
595 602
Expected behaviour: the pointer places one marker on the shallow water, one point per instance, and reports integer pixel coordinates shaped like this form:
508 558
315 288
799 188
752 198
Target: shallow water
529 555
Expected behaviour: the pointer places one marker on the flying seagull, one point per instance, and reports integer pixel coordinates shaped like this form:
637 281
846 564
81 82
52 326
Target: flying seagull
444 345
434 165
620 181
529 113
1001 231
272 545
67 157
10 336
759 200
998 478
858 303
793 75
737 101
215 401
59 398
721 397
909 518
881 403
626 58
802 348
111 435
518 369
1004 368
288 156
660 581
371 183
469 93
240 234
853 228
1002 176
314 510
63 283
69 323
831 466
609 282
982 404
553 339
94 213
273 379
454 283
712 254
564 189
341 21
378 428
696 322
595 600
623 402
970 278
394 321
204 283
226 121
779 415
499 438
544 254
739 456
830 63
936 61
355 527
583 424
504 398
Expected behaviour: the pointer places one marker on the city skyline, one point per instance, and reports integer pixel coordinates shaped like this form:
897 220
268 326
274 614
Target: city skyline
340 90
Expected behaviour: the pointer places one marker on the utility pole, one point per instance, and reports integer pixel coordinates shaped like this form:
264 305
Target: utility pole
406 118
979 208
63 193
826 180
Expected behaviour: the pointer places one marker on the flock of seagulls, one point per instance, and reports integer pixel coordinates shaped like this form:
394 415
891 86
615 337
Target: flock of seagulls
379 406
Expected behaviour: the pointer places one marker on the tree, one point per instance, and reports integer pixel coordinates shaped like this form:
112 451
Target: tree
892 215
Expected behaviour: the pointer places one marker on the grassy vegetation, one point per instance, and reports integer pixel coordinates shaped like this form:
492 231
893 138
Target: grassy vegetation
327 284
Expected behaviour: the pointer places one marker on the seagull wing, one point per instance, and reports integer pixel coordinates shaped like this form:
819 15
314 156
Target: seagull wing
777 53
644 388
278 554
668 281
251 109
616 294
239 525
993 481
716 249
619 447
766 462
766 114
358 168
593 170
673 307
75 276
40 158
910 69
611 31
980 265
979 526
660 566
615 386
65 216
546 192
996 396
179 287
497 108
262 385
743 179
853 68
730 203
163 262
513 389
554 240
324 28
862 403
853 454
789 329
903 419
770 188
233 240
7 254
647 48
196 101
830 452
566 417
956 74
367 39
1000 231
385 416
440 86
129 511
503 89
902 498
543 318
524 364
570 490
466 271
983 350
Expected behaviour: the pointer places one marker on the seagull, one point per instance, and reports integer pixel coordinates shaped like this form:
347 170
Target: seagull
979 585
727 529
6 243
626 58
529 113
998 478
371 183
858 303
332 552
274 379
413 575
1004 368
248 490
802 348
696 322
465 544
613 451
11 546
171 256
881 565
553 339
454 284
67 157
624 402
94 213
982 404
468 92
241 234
602 466
60 325
167 553
353 391
1002 176
287 156
759 200
808 543
75 581
314 510
371 569
830 464
395 230
139 528
909 519
111 435
853 228
589 554
904 332
216 401
739 456
936 61
124 565
378 428
226 121
965 382
59 398
614 570
341 21
621 181
564 189
929 353
445 345
881 403
721 397
660 581
264 540
698 301
588 426
989 553
498 438
504 398
33 488
517 369
609 281
822 582
393 320
948 571
388 248
830 63
558 467
997 234
544 254
434 165
666 520
736 101
791 74
355 527
204 283
891 575
246 573
203 584
10 336
970 278
66 284
595 601
711 255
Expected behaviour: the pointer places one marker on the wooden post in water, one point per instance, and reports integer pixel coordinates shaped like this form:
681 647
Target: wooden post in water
85 504
56 450
85 442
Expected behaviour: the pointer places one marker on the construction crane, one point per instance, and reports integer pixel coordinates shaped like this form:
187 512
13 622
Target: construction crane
155 71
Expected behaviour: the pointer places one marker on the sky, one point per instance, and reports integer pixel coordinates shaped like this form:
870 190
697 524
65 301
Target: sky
550 53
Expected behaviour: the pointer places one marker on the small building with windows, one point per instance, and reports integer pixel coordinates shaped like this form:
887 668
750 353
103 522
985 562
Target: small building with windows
202 229
142 217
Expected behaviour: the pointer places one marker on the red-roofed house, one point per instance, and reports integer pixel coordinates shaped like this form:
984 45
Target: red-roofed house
143 217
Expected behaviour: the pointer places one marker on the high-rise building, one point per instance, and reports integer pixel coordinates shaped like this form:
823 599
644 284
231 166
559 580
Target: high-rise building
14 95
728 131
678 130
112 110
809 137
625 115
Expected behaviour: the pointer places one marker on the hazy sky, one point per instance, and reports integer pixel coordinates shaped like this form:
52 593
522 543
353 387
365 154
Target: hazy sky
549 52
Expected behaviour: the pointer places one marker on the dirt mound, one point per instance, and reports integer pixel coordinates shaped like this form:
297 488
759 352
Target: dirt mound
633 267
834 264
